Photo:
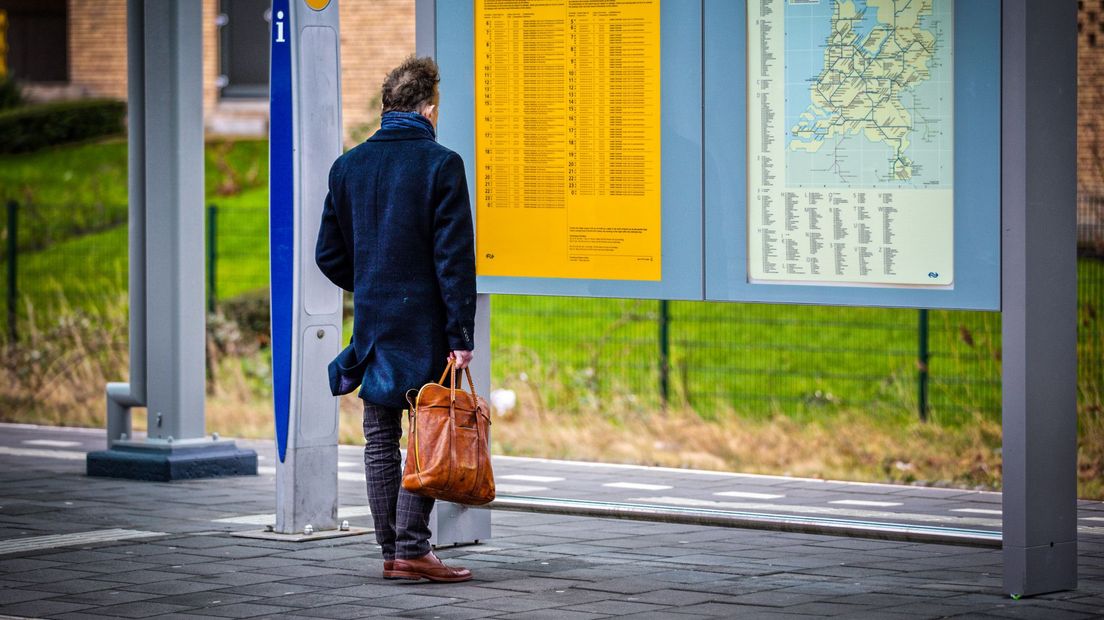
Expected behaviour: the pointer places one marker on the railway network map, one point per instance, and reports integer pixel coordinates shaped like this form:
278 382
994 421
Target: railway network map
851 146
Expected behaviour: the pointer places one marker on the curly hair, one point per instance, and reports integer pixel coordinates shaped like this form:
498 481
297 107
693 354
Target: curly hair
410 85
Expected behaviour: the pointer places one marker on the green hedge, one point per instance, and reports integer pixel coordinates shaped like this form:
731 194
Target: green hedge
35 127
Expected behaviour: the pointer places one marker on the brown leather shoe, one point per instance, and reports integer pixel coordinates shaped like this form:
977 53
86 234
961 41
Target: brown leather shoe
388 569
426 567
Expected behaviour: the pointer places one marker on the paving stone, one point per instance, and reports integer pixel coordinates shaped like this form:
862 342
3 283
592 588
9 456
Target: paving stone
412 601
344 612
139 609
677 598
47 575
21 565
560 614
624 585
312 599
73 586
774 598
514 604
176 586
10 596
335 581
238 579
453 613
206 598
616 608
535 584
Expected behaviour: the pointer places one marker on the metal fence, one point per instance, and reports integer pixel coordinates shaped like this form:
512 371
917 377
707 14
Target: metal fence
575 353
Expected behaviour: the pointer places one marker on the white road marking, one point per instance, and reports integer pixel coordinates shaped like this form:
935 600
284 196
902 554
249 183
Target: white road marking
70 455
50 443
53 541
1092 518
822 510
637 486
268 519
864 502
526 478
517 488
980 511
748 495
349 465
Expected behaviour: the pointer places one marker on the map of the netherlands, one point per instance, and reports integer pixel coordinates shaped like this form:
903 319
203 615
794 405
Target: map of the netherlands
869 97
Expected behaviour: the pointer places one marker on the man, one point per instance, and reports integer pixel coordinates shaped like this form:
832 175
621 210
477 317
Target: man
397 232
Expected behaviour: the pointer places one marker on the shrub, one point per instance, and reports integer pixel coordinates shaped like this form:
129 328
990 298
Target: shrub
36 127
10 94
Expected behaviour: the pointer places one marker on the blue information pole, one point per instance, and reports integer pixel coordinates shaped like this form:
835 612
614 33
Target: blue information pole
305 139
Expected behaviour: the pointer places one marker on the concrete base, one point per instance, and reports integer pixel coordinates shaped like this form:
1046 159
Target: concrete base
164 462
323 535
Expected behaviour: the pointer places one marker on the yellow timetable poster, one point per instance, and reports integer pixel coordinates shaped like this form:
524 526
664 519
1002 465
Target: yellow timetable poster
567 102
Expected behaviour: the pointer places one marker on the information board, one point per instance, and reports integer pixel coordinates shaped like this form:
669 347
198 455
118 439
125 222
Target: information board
568 139
852 159
580 126
868 171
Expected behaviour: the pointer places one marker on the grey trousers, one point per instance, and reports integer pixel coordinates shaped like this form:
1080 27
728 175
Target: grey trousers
401 518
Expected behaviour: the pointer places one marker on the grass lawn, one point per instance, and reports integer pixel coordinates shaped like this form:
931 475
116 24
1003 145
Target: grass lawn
757 359
70 190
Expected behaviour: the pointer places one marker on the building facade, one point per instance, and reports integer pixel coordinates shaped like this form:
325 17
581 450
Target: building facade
77 48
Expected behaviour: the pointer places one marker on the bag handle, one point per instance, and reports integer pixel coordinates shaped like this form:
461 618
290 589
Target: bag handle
450 372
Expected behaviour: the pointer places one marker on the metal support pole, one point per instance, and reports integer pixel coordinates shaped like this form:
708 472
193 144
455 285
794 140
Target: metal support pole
164 41
13 255
122 396
174 220
922 366
454 524
1039 294
212 257
664 353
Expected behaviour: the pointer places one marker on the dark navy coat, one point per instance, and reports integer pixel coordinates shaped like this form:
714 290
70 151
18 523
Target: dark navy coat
397 232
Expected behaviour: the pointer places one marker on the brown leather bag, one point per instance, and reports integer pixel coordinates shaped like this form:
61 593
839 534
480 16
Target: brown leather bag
448 455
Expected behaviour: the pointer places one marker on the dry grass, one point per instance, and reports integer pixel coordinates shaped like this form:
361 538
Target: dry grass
57 376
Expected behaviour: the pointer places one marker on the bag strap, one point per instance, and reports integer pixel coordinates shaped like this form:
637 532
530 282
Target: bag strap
450 372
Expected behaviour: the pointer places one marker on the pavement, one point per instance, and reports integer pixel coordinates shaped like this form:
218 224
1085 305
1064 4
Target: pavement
79 547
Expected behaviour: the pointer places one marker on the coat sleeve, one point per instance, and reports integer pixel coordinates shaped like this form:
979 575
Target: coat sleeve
454 253
333 252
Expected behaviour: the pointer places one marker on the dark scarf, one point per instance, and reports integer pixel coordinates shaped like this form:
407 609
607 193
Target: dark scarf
408 120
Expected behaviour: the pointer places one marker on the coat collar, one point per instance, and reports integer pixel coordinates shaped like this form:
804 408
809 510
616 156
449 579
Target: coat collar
385 135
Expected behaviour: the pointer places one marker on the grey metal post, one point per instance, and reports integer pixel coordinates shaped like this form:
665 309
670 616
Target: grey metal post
454 524
164 39
1039 295
174 220
122 396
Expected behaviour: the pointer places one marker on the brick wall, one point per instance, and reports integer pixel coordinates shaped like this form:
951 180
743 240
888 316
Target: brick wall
97 49
375 37
1090 97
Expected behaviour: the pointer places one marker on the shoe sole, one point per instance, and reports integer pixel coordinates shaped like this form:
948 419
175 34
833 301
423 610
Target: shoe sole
397 574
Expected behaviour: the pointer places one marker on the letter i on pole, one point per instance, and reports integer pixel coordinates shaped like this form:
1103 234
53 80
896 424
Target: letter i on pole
304 139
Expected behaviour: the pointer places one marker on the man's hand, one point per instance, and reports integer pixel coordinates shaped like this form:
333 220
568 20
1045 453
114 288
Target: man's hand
462 358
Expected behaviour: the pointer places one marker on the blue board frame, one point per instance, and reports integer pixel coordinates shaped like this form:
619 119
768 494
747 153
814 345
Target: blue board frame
681 71
977 218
